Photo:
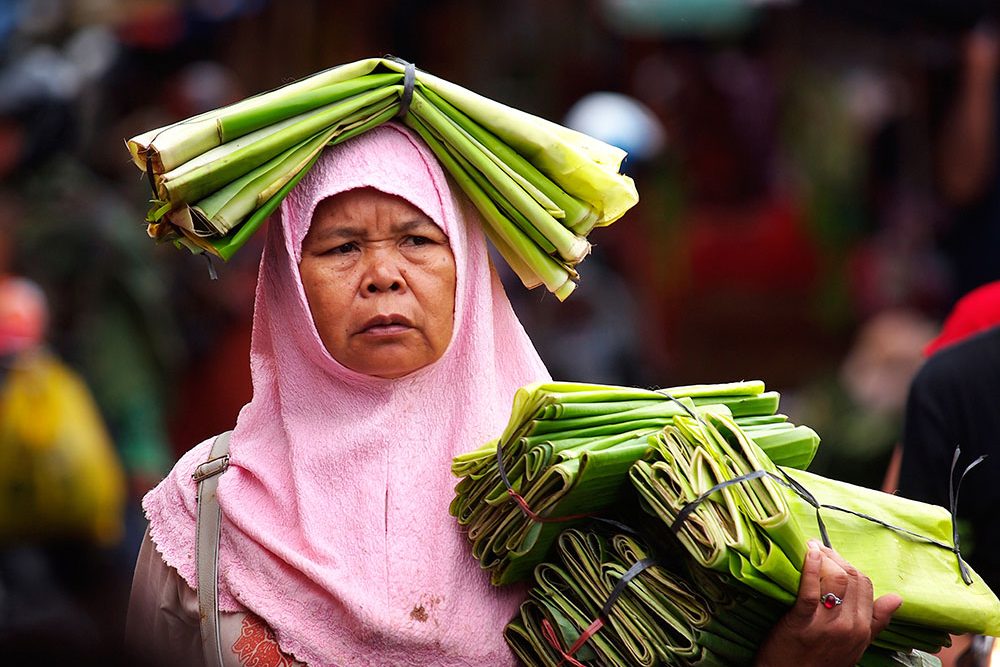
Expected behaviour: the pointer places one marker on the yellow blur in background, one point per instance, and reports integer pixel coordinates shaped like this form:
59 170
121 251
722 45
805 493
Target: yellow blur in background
59 474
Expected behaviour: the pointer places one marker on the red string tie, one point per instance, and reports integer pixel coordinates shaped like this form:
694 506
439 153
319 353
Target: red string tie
567 656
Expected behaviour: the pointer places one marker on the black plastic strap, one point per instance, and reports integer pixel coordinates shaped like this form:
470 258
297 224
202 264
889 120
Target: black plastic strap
598 623
149 173
690 507
212 273
804 493
500 467
619 588
617 525
409 79
953 490
686 409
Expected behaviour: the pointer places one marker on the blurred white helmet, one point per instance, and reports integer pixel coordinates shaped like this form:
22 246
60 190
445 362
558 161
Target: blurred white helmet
618 120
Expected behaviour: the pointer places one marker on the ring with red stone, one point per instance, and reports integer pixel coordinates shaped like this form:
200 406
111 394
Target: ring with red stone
830 600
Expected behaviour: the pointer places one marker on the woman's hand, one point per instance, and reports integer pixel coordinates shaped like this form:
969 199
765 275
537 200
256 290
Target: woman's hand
828 635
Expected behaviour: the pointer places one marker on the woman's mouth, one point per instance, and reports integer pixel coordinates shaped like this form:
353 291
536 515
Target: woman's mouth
386 325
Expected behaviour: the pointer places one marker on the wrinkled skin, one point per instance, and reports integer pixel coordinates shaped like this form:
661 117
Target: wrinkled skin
379 276
810 635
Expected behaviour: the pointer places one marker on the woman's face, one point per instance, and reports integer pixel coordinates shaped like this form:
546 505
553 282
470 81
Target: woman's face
379 276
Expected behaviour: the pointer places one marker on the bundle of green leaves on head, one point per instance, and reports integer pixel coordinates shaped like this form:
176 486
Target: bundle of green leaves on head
540 187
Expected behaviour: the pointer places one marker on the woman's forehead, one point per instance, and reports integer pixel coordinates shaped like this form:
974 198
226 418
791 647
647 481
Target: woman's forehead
363 211
388 159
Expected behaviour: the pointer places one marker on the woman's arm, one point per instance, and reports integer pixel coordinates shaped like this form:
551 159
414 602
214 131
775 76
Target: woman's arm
162 621
813 634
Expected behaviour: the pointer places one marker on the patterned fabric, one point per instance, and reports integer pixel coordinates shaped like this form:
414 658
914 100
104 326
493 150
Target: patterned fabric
257 647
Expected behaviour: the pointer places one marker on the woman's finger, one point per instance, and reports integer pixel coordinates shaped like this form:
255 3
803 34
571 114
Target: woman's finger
853 595
865 597
838 559
809 584
833 579
882 611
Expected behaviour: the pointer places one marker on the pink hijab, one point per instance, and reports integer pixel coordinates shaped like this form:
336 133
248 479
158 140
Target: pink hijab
335 507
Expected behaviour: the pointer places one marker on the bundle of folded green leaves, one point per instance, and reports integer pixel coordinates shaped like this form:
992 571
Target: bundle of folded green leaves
540 187
673 612
756 529
566 453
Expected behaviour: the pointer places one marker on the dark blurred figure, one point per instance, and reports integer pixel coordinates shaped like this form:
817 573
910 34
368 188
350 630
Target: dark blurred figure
968 156
953 403
71 233
62 492
592 336
74 236
744 266
216 322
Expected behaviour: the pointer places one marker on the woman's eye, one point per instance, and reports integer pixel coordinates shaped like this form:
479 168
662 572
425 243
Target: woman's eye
418 240
344 249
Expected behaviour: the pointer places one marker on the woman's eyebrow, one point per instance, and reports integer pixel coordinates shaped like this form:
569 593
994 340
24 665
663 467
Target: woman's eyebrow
348 231
414 225
340 231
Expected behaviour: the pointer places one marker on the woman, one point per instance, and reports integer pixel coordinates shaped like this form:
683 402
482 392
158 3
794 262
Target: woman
383 346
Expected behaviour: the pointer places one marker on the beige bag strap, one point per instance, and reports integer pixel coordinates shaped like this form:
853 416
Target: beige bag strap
206 476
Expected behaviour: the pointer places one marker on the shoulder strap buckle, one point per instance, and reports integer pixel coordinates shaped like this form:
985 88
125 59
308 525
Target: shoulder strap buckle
211 468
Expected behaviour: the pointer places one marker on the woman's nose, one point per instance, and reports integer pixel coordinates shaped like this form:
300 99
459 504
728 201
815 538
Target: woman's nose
382 276
373 287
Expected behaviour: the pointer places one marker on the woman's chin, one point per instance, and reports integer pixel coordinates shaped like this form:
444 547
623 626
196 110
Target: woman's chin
391 365
387 353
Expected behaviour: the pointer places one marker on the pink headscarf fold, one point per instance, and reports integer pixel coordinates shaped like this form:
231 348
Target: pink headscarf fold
335 507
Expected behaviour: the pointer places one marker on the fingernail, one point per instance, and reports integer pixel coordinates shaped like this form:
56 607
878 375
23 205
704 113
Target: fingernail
813 545
814 554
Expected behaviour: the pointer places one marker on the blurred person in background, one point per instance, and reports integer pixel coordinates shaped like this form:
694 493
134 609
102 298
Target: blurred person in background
74 235
591 338
952 404
969 171
62 495
859 409
952 400
600 335
214 312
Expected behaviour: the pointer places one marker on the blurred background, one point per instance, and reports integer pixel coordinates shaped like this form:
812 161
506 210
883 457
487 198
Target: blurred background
818 186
